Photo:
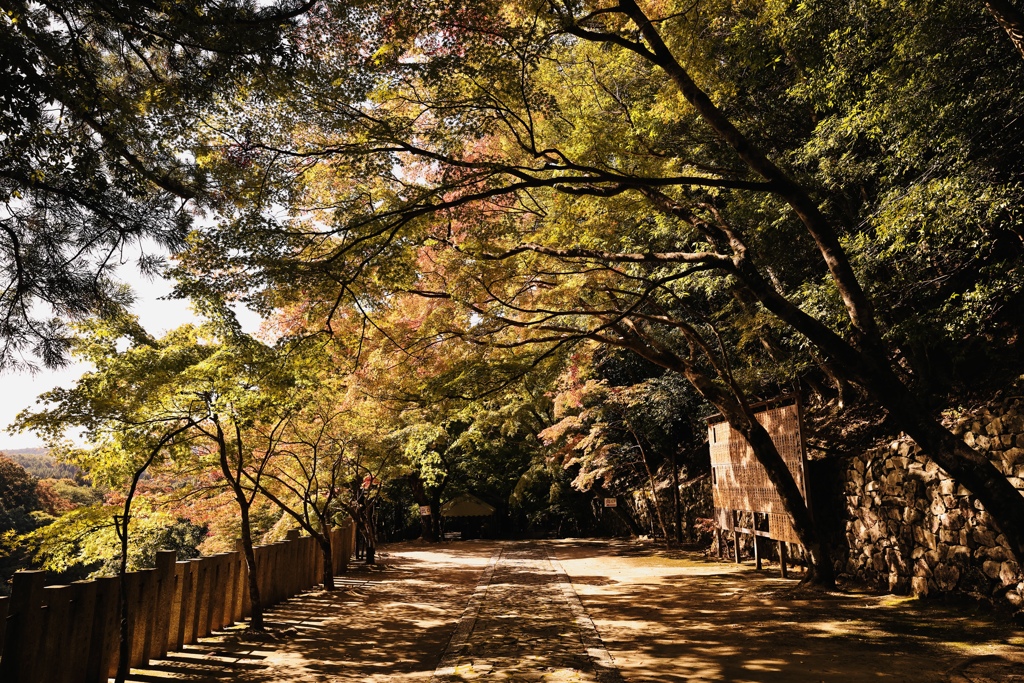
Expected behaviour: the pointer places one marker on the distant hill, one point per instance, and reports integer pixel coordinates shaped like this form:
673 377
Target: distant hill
40 464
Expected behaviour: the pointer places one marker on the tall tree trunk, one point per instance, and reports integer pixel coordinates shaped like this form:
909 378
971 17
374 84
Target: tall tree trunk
371 546
419 495
874 370
244 504
654 486
124 649
870 368
677 513
255 601
122 527
742 420
326 551
1011 19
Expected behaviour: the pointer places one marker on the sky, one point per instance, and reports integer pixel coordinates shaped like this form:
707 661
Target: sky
19 390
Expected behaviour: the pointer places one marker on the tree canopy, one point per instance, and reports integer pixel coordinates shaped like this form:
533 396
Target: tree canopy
453 203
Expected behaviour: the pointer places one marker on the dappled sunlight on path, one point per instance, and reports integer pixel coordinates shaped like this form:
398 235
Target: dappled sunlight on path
675 616
384 625
483 611
525 623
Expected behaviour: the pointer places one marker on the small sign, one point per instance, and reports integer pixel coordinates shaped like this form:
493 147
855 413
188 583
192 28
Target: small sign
424 510
611 502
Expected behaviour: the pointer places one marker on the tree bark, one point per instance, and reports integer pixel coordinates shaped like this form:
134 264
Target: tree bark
742 420
255 601
677 513
868 365
1011 19
328 559
419 495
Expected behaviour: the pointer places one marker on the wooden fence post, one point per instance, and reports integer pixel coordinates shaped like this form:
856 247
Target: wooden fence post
176 632
191 600
348 545
243 608
25 617
202 616
106 621
54 663
82 636
311 573
5 603
136 620
230 590
156 644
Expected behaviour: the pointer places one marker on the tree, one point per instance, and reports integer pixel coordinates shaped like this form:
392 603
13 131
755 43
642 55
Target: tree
100 101
796 177
207 392
311 463
115 407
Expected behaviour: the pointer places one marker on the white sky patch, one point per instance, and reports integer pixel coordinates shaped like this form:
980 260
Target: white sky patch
157 314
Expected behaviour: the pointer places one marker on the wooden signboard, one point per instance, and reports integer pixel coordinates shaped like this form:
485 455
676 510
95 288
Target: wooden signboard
739 483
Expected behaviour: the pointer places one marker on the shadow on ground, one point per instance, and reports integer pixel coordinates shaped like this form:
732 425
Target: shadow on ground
664 616
678 616
383 625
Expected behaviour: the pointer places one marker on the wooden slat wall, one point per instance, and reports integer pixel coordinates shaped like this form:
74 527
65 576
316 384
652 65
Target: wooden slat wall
69 634
740 482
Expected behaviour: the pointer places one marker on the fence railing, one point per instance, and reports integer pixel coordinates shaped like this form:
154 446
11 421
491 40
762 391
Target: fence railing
71 634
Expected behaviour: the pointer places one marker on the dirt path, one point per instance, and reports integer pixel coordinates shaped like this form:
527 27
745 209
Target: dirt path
525 623
675 616
386 625
527 612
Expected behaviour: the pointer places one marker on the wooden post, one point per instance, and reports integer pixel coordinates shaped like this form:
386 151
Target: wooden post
83 611
134 589
312 555
191 600
25 618
176 632
5 603
350 544
292 565
156 643
736 536
336 535
150 607
102 662
55 663
276 575
202 616
220 593
316 561
231 589
177 607
782 560
242 607
262 564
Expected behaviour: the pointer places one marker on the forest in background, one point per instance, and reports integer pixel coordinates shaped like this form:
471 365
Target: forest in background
519 249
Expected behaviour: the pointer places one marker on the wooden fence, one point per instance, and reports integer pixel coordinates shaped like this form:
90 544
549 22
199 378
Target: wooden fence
71 634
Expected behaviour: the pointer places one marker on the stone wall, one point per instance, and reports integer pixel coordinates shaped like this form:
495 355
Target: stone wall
910 528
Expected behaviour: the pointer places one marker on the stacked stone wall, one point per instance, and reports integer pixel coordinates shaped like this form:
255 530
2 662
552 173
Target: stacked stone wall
911 528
